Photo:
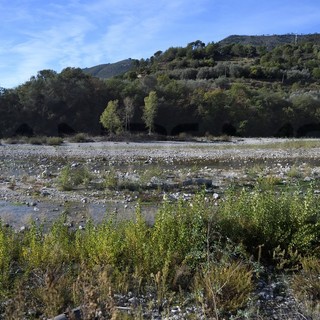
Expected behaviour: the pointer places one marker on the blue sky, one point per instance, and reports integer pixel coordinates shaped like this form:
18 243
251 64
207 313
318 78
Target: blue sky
55 34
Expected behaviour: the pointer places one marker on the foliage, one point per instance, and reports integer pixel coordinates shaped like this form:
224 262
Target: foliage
150 110
72 177
266 219
110 119
268 87
54 141
193 247
80 138
306 286
224 288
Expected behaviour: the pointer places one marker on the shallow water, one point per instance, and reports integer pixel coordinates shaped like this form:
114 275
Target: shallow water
19 215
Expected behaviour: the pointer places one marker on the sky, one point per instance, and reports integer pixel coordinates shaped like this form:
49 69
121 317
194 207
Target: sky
55 34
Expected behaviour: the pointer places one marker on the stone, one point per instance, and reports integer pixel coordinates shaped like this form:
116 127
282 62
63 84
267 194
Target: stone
216 196
45 193
84 200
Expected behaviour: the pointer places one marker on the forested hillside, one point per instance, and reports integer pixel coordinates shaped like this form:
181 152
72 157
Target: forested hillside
109 70
215 88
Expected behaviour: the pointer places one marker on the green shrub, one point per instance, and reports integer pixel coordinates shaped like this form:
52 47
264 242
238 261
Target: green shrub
54 141
71 177
111 179
193 247
80 138
268 219
37 140
8 251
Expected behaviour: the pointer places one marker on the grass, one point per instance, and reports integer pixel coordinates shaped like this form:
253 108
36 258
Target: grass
196 249
306 286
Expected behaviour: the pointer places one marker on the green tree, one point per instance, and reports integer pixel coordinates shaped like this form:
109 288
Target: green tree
150 110
110 118
128 111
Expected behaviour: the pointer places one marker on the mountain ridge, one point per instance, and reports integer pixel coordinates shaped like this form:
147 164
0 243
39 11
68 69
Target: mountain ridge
271 41
109 70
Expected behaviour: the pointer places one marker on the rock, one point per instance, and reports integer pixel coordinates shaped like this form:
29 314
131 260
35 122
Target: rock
45 193
45 173
75 165
187 182
134 301
73 314
216 196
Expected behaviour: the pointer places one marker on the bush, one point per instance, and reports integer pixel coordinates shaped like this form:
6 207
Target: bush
54 141
70 177
193 248
80 138
268 219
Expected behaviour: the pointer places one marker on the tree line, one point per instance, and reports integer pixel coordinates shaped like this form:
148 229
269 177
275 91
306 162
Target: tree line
198 89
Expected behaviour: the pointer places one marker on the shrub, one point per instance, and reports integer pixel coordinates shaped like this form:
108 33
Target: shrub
80 138
111 179
37 140
70 177
8 251
267 219
54 141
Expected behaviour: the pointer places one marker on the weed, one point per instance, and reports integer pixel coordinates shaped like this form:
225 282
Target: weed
148 174
80 138
111 179
306 286
270 218
224 288
193 247
54 141
69 177
294 172
38 140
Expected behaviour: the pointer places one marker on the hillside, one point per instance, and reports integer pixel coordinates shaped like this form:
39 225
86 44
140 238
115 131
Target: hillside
109 70
271 41
240 86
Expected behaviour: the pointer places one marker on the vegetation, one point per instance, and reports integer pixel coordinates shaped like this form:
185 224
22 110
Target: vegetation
256 88
194 249
150 110
72 177
110 119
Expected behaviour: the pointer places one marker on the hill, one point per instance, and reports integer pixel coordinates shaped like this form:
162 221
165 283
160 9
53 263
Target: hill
109 70
271 41
240 86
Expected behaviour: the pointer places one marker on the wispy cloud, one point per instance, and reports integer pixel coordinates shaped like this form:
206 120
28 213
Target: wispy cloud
36 34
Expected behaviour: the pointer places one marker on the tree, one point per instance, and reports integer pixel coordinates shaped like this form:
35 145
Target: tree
110 119
128 111
150 110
